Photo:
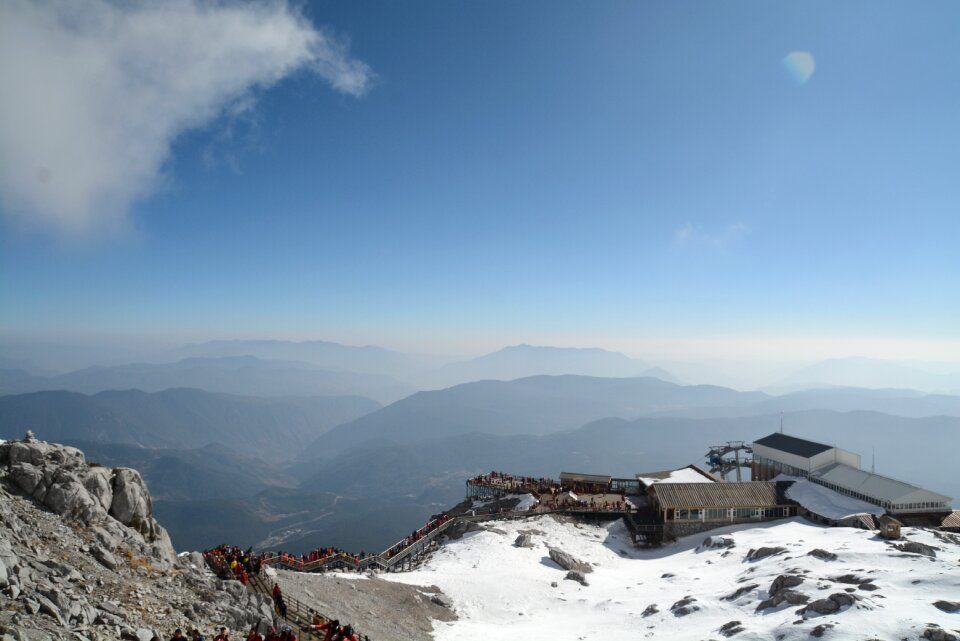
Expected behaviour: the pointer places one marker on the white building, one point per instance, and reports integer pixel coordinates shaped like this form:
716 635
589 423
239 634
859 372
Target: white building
784 454
840 471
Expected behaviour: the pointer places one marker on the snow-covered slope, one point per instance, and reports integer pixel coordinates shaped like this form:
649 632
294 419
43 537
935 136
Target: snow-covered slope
500 591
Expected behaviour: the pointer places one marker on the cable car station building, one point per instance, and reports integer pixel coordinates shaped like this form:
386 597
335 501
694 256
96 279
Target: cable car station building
839 470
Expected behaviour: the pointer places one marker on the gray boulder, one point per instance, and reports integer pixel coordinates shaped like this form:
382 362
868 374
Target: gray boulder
947 606
831 604
913 547
574 575
785 581
823 555
105 558
717 543
524 541
783 596
731 628
97 484
762 553
131 503
568 562
935 633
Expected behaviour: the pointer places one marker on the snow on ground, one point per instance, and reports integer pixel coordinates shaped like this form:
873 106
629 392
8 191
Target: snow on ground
683 475
501 591
824 501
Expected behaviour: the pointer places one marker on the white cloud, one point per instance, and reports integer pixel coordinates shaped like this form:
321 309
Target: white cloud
94 93
691 235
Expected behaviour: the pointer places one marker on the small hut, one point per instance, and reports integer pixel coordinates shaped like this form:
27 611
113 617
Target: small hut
889 527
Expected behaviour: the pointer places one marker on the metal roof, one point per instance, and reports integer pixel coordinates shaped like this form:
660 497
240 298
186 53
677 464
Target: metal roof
585 478
793 445
688 474
875 486
747 494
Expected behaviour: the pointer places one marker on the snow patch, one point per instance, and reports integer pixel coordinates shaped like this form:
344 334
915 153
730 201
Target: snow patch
825 502
502 591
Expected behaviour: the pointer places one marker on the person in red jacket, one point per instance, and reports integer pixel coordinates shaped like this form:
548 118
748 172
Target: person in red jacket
254 635
330 627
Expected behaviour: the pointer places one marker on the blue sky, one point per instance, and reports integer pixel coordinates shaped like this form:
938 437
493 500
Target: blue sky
619 174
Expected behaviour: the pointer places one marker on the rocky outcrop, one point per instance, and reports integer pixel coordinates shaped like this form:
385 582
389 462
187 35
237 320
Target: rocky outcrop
113 501
82 558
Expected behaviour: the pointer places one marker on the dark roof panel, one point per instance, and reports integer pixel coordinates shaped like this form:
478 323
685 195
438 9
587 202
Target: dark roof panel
745 494
793 445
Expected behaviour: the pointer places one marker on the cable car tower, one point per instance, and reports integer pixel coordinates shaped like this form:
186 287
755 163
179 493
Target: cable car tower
721 462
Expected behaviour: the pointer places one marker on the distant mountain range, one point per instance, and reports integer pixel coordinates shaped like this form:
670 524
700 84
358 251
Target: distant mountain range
368 359
534 405
870 373
269 428
521 361
243 375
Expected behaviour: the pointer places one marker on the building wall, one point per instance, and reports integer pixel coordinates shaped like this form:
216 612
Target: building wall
768 462
801 465
847 458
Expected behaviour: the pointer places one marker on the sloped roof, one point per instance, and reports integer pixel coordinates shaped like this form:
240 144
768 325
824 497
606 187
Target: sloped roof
688 474
747 494
878 487
793 445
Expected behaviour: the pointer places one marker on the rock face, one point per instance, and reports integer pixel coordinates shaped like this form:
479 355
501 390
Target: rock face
59 478
82 558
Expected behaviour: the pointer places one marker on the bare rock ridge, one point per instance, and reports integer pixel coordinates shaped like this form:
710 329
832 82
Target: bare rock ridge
59 478
82 557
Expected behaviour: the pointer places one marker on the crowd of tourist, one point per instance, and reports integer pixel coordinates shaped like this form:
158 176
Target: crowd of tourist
236 563
552 495
418 535
525 484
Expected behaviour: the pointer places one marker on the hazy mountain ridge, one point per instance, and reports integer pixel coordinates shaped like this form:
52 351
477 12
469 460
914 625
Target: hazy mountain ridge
271 428
534 405
242 375
871 373
523 361
907 403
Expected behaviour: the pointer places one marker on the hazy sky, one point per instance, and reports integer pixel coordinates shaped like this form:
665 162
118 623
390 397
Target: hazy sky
756 178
